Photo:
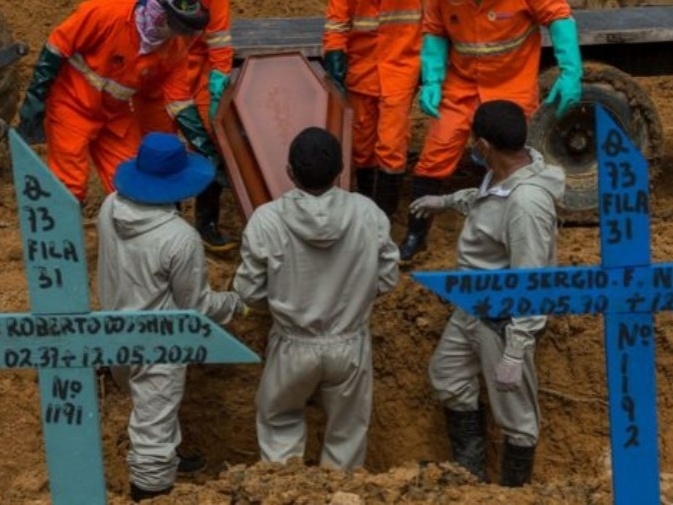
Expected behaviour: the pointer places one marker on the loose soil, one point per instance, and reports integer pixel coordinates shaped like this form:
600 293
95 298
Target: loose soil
407 443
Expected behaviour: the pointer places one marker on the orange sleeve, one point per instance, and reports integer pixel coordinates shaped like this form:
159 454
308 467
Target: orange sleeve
218 37
85 28
548 11
338 25
177 85
433 22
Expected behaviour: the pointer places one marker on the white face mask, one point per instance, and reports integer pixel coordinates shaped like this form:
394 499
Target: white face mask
477 158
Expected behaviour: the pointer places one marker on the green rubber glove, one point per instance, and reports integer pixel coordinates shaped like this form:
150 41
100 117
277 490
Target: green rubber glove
434 63
568 86
217 83
191 126
31 114
336 66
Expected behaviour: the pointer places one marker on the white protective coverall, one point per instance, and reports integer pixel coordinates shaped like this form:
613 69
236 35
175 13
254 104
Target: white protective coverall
511 225
319 262
149 258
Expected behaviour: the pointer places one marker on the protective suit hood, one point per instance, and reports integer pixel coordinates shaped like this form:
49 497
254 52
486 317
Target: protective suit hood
317 220
548 177
131 219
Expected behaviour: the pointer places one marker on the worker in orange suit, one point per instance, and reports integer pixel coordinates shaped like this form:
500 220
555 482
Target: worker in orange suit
371 49
89 69
210 61
474 51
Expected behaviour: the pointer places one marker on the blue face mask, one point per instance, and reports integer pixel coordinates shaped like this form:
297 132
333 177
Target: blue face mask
477 158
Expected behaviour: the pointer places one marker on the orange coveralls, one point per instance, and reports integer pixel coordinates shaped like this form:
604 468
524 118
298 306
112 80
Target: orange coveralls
211 50
495 54
88 112
382 40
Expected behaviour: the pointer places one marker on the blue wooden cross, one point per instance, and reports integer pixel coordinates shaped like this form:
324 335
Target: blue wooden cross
626 288
65 341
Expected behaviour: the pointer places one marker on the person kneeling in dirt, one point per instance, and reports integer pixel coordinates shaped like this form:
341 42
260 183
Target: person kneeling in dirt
317 257
510 223
149 258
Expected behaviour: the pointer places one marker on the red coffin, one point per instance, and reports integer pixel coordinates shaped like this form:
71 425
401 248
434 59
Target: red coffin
273 98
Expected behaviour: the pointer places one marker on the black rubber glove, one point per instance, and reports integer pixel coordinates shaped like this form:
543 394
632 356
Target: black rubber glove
191 126
31 114
336 66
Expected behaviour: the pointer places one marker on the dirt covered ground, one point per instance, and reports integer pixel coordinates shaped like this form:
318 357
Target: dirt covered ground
407 443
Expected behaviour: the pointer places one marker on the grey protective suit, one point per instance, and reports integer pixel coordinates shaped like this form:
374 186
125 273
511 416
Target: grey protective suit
319 263
149 258
512 225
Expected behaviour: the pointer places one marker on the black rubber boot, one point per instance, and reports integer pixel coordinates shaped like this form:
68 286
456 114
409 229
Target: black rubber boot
366 180
418 228
415 240
517 465
138 494
387 192
467 434
207 213
190 464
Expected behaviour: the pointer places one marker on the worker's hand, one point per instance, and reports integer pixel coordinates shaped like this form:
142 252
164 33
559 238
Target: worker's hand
434 65
217 83
426 206
567 91
508 373
190 125
336 66
31 114
31 125
430 98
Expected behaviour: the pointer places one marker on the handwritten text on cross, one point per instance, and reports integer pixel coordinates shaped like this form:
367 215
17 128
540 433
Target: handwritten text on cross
65 341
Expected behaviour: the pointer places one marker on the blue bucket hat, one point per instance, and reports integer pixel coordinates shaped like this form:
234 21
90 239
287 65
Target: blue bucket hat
163 172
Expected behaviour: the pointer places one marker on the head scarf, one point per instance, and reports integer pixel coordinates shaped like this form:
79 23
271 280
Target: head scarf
149 16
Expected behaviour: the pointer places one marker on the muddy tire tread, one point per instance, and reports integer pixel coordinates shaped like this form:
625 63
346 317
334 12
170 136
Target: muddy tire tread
643 108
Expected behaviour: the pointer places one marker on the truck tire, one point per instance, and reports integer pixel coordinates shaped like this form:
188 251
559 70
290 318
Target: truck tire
9 88
569 141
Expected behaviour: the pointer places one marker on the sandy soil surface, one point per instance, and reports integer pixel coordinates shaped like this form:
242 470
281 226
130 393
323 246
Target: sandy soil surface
407 443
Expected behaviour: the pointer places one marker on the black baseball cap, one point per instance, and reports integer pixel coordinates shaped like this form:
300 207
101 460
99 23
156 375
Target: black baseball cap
185 17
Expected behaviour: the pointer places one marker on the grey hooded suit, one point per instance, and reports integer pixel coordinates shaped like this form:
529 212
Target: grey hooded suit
318 262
